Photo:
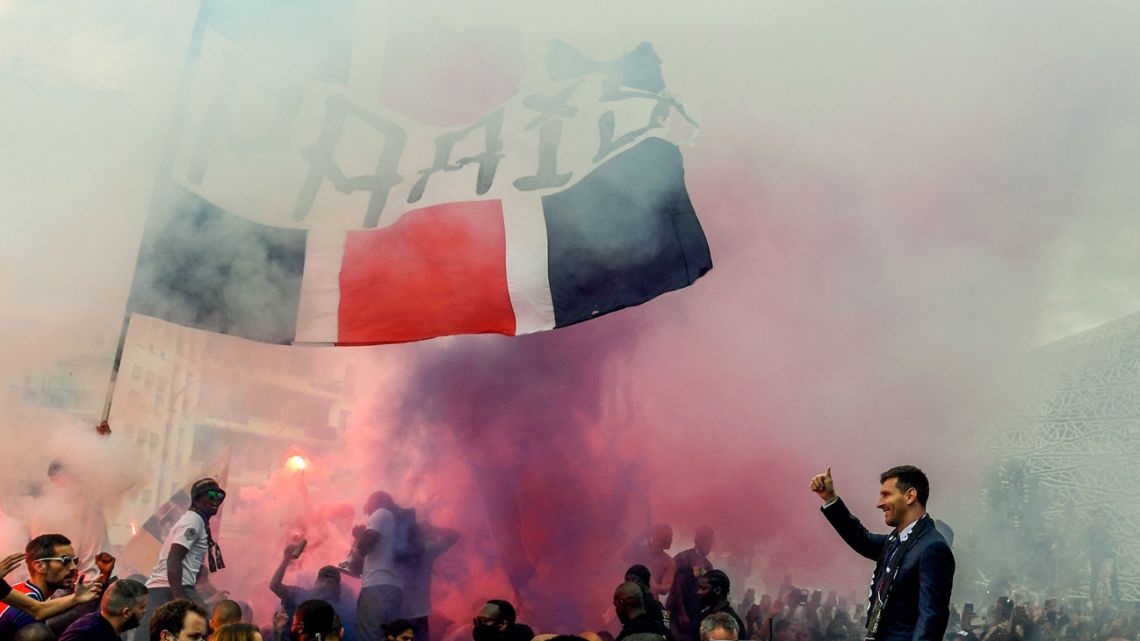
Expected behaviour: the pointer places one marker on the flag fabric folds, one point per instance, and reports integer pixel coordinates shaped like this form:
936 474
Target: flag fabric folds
202 267
622 235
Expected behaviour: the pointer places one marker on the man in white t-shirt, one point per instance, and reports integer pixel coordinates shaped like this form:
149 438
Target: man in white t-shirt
185 551
381 580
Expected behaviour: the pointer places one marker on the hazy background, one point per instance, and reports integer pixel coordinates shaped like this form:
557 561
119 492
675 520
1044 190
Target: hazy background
901 201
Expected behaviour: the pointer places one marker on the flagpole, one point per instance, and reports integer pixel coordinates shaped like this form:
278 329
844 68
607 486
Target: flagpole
167 161
104 426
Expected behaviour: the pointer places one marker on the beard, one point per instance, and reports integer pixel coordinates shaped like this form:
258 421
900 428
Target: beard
131 623
485 633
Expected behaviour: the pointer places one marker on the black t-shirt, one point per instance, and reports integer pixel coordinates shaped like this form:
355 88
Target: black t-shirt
344 606
653 606
691 565
642 624
727 609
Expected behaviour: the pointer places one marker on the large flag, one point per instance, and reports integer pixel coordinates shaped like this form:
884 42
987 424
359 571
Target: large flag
565 203
621 236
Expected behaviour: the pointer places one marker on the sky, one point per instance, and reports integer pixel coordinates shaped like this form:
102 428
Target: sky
901 201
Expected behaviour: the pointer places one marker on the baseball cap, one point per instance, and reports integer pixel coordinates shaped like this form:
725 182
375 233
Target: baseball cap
201 486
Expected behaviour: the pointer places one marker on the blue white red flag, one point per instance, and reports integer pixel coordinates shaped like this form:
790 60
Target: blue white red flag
301 203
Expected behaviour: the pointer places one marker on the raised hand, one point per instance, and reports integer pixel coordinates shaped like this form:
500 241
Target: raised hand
85 592
822 485
106 563
11 562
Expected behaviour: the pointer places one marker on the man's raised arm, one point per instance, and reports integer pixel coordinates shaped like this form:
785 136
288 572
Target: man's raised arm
276 582
849 528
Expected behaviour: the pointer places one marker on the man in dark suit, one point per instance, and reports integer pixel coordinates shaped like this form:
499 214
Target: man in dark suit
914 568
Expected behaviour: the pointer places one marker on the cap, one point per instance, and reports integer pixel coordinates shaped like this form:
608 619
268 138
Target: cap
329 572
201 486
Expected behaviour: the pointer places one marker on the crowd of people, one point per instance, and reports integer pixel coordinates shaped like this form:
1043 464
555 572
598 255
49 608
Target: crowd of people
660 597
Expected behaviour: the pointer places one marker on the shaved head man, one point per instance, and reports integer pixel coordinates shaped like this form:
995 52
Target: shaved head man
629 604
225 613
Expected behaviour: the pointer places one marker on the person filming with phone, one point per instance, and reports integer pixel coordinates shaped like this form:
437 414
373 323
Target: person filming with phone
326 587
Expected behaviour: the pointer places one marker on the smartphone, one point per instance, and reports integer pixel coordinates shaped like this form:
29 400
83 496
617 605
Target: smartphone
1005 608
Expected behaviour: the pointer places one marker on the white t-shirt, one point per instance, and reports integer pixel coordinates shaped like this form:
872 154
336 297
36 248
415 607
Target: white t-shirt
190 533
379 564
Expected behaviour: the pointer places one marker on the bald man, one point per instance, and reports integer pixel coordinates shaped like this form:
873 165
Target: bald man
629 604
225 613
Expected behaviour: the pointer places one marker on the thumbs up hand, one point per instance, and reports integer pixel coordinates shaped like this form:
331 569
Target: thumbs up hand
822 485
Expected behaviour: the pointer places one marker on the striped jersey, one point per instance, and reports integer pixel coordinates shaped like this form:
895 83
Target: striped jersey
12 618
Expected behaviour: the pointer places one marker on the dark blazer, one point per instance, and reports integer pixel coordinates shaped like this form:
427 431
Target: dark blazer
918 606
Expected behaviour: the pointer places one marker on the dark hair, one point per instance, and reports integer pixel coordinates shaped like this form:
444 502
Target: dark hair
236 632
639 571
506 610
380 499
906 477
718 579
43 546
170 617
121 594
316 616
397 627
